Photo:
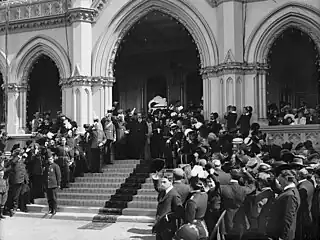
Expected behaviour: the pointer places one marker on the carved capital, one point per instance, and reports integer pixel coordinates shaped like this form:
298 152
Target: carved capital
15 88
82 15
86 81
233 68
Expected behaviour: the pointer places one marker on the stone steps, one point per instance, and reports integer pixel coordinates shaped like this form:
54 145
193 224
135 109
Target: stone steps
84 196
143 204
138 212
108 179
75 202
90 190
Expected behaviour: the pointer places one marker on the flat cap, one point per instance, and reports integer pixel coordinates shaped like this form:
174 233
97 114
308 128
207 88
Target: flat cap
178 172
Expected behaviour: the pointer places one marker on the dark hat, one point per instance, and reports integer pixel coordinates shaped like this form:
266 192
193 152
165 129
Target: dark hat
49 153
308 144
287 146
187 232
297 162
178 172
15 146
280 165
299 146
157 164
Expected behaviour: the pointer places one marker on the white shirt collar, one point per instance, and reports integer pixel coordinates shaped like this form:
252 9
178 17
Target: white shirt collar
233 181
168 189
303 180
291 185
266 188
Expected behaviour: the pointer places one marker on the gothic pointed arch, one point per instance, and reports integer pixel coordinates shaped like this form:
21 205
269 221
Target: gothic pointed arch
31 51
290 15
105 50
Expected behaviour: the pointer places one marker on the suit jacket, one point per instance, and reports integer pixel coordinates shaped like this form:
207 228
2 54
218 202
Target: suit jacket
183 190
283 215
110 131
233 196
222 177
167 203
97 136
52 176
306 191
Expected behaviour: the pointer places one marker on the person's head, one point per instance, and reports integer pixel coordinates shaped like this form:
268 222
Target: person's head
50 158
303 174
178 174
63 141
139 117
300 114
286 177
263 180
165 183
109 116
1 174
210 182
70 133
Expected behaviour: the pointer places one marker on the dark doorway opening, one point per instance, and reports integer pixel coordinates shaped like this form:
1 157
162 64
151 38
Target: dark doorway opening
44 92
156 86
156 45
294 70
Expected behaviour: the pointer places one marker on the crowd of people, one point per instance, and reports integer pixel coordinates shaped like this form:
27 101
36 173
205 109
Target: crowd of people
287 115
222 166
237 177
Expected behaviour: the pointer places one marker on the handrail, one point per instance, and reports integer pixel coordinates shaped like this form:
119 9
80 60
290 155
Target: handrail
216 229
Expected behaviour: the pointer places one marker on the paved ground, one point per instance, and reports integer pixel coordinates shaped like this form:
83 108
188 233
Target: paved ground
16 228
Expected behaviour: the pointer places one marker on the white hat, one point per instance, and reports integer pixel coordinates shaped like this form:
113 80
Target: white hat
237 141
248 141
187 131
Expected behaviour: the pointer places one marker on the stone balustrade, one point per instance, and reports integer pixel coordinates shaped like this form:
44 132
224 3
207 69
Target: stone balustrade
18 139
294 134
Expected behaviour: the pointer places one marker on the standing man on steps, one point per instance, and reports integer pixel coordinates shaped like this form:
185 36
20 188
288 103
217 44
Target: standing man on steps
97 142
53 180
169 209
182 189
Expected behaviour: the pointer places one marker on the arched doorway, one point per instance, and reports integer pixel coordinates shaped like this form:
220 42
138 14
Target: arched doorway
44 92
294 74
155 57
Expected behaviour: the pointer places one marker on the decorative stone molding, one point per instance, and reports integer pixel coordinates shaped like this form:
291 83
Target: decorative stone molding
216 3
233 68
43 14
86 81
81 15
294 134
13 87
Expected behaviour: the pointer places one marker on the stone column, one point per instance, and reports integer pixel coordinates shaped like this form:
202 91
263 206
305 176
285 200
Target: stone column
81 17
16 108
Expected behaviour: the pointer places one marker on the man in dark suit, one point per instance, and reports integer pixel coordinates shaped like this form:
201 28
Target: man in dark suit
233 196
97 141
273 149
53 180
283 215
182 188
304 221
222 177
169 209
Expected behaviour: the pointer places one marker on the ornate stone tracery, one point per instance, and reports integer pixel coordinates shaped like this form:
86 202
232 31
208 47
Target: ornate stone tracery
86 81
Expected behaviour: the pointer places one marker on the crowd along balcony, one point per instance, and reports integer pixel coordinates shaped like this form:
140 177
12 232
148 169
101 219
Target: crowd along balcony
280 134
294 134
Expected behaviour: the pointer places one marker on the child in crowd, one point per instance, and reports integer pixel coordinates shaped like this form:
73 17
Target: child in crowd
53 180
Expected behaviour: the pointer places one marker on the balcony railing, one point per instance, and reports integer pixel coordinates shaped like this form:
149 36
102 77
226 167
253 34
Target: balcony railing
294 134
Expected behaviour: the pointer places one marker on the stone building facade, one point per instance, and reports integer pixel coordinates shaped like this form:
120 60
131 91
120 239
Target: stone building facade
233 39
